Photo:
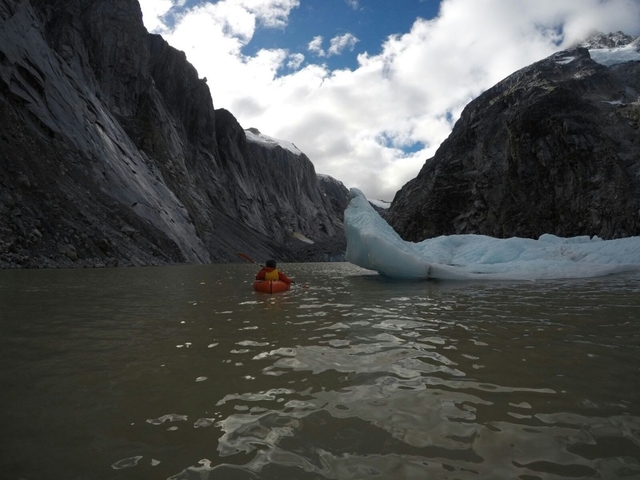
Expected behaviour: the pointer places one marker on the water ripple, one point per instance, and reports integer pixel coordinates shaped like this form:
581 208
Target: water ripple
354 377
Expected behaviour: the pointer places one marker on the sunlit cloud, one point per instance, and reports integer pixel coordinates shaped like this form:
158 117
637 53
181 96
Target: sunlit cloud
270 13
362 125
315 46
295 60
153 11
354 4
337 45
342 42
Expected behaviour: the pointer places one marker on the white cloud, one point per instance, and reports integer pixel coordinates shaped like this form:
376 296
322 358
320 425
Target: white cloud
352 124
354 4
270 13
295 60
336 45
315 46
152 12
339 43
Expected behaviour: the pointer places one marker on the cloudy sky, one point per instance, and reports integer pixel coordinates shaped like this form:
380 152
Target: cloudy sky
368 89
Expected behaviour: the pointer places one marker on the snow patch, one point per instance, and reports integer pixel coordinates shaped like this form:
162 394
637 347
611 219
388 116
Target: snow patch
329 178
566 60
303 238
254 135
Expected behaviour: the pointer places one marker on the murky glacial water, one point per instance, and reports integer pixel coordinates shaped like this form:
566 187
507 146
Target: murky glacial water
186 373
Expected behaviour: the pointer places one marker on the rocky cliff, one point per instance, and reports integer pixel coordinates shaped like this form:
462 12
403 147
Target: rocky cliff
113 154
553 148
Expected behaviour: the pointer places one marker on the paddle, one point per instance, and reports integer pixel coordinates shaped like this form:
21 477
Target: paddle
249 259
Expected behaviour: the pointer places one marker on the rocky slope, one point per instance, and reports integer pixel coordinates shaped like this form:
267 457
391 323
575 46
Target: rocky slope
553 148
113 154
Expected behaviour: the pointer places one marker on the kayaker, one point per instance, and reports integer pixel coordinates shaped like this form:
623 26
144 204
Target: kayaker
270 272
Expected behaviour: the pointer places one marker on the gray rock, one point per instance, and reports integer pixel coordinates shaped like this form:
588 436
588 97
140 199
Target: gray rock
127 230
23 182
35 236
337 194
6 198
70 252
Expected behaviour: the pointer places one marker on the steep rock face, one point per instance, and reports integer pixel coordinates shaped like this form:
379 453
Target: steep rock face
553 148
114 155
336 193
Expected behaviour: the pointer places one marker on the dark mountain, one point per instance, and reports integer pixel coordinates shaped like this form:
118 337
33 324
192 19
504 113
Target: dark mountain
113 154
553 148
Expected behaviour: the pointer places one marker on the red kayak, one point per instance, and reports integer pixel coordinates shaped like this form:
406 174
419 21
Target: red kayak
270 286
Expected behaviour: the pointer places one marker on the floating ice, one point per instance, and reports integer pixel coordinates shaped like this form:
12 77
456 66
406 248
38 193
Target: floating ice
126 463
171 417
203 422
373 244
251 343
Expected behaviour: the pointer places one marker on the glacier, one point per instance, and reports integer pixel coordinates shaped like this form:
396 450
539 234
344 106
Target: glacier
374 245
616 55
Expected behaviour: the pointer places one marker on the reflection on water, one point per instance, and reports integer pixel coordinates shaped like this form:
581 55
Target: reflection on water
186 373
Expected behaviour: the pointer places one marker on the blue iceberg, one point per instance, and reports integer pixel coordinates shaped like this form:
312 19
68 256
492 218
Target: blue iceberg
374 245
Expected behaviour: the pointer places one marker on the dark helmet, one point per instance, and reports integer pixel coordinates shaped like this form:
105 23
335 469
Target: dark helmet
271 263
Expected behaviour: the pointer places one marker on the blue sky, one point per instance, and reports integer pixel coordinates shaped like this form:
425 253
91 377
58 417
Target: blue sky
368 89
370 22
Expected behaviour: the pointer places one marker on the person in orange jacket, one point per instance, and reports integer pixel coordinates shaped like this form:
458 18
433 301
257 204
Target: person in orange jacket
270 272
